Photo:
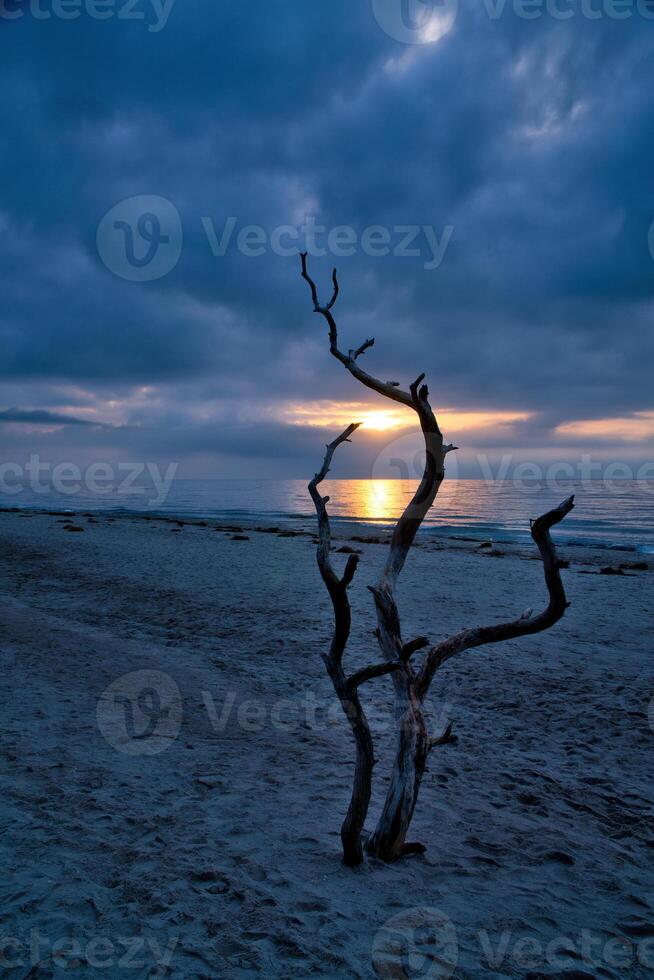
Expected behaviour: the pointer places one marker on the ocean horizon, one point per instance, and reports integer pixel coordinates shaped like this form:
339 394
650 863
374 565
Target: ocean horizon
619 514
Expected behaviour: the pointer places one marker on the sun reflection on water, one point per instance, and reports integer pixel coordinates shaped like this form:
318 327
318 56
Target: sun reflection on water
377 500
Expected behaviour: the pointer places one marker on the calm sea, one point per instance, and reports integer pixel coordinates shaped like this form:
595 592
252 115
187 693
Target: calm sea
609 515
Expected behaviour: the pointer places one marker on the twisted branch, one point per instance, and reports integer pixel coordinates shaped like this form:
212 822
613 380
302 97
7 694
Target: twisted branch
525 625
387 388
334 585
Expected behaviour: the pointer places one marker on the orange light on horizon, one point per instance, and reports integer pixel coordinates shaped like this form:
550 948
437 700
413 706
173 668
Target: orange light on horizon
334 415
631 428
329 414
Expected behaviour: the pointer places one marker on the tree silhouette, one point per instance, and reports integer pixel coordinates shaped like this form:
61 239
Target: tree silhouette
411 682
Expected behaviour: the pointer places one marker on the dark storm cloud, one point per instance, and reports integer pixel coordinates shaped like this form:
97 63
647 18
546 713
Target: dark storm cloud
42 417
532 138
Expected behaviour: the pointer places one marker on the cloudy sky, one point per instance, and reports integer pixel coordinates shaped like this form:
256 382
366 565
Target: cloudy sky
481 178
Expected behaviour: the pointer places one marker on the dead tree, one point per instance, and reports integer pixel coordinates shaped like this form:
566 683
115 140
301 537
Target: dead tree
411 683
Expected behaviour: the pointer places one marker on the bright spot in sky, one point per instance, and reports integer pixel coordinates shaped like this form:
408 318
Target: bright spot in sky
334 415
337 415
437 26
381 421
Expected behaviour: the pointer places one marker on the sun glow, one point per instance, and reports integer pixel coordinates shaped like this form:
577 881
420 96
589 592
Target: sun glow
382 421
335 415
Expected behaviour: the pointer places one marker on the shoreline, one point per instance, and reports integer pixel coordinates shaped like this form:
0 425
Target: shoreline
583 552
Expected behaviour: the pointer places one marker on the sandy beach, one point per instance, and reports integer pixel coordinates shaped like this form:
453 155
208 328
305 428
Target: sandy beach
193 831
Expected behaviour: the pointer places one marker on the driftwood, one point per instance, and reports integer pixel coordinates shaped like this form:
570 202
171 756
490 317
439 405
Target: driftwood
411 684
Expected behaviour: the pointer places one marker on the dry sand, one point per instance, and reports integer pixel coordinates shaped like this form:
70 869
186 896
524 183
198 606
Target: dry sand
218 854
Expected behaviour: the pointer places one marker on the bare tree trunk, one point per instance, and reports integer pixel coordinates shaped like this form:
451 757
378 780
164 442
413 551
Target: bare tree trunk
388 840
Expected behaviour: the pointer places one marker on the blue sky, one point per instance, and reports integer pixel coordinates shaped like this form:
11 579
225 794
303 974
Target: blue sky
482 179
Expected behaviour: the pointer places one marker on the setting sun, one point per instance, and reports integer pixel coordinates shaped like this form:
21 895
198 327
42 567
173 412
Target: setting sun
381 421
332 415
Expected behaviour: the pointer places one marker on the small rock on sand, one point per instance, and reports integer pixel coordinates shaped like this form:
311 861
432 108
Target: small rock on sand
560 857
